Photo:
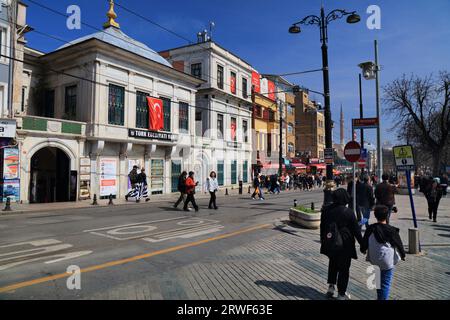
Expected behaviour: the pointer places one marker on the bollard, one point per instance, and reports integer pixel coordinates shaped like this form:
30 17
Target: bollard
226 191
110 203
413 244
95 203
240 187
313 207
249 190
295 203
8 205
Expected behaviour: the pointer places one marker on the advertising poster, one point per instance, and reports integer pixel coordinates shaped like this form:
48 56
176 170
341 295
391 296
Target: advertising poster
108 177
256 82
11 190
11 164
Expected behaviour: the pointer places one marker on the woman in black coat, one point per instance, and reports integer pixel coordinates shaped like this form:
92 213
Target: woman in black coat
337 214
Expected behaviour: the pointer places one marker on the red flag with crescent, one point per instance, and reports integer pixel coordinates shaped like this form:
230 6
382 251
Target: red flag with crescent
155 113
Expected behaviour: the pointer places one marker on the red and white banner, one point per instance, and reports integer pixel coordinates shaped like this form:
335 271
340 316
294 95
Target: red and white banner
233 129
256 82
155 114
233 83
272 90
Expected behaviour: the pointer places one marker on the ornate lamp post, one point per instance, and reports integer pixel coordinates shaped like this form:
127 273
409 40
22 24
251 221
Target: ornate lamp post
323 22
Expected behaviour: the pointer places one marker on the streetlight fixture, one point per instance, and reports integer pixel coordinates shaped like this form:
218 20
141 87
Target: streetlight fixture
371 71
322 22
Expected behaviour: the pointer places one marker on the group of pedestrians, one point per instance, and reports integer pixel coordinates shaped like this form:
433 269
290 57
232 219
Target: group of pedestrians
187 185
138 184
340 229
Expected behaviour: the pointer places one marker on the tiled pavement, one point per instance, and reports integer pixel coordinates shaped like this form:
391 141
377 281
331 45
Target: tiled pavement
286 265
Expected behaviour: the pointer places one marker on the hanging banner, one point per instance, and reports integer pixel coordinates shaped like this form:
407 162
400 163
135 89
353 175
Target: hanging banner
272 90
108 177
233 83
11 164
233 129
256 82
156 121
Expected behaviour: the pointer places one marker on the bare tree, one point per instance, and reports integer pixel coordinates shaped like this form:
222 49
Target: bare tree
420 108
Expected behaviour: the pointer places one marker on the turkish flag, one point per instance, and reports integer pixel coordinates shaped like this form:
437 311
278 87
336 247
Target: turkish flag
155 107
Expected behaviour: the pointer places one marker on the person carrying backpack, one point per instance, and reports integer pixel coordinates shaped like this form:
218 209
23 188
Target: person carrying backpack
135 187
338 231
384 249
181 188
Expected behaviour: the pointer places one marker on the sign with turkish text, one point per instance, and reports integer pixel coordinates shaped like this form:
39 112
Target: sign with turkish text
367 123
148 134
8 128
256 82
108 177
328 155
156 121
404 157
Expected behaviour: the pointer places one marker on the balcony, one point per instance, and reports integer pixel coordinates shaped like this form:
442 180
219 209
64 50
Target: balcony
51 126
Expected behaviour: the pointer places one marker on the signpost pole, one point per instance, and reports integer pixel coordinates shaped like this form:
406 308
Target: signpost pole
411 200
354 189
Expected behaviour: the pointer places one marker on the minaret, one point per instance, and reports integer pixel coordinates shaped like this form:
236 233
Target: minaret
342 128
111 17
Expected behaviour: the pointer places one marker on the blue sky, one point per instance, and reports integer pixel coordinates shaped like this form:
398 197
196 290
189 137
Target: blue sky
414 38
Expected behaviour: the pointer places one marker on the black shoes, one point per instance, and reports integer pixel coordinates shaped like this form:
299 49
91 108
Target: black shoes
147 200
126 198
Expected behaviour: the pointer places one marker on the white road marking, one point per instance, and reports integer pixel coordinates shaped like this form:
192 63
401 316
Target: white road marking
134 224
129 230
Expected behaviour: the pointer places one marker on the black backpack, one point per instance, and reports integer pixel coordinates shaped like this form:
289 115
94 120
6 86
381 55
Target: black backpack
333 242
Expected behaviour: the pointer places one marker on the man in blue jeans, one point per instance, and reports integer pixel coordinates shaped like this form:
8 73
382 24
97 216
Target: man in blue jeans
364 200
385 247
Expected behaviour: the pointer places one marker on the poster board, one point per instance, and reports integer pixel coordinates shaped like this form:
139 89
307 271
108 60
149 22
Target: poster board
108 177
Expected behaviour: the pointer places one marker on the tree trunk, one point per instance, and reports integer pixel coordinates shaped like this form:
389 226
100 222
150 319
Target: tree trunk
437 154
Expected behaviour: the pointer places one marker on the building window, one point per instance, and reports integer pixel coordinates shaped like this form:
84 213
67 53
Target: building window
291 147
290 109
244 88
157 176
271 115
198 123
166 111
220 173
233 129
196 70
219 126
48 106
116 105
183 117
234 172
220 77
24 99
70 103
233 82
142 115
245 172
257 111
3 45
290 128
245 129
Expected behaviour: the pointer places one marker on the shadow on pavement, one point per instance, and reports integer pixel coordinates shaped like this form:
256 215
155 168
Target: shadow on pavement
444 235
289 289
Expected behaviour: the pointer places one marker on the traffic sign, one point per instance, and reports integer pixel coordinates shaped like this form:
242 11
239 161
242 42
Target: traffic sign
361 163
404 157
328 155
367 123
352 151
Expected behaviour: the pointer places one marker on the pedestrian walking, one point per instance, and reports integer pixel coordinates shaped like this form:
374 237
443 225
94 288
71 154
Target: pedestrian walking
433 195
384 249
133 178
257 184
181 188
190 191
212 186
143 186
385 195
338 231
364 200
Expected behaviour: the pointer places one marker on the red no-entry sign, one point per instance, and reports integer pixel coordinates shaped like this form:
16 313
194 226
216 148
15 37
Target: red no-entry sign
352 151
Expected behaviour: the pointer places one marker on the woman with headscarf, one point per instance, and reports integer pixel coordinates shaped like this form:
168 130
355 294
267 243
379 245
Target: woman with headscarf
338 231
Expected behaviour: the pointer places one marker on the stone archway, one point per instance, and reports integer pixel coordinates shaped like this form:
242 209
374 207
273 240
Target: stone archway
50 176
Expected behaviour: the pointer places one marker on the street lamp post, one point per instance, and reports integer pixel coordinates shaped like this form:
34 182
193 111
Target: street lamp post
280 159
323 22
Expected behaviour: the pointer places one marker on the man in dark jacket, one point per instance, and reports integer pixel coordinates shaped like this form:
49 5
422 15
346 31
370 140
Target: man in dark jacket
181 188
339 215
385 195
383 234
133 176
364 200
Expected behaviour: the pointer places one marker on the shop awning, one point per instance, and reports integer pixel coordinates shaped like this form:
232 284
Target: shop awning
319 166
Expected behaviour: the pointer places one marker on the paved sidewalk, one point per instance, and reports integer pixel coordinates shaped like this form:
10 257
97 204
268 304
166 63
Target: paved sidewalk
286 265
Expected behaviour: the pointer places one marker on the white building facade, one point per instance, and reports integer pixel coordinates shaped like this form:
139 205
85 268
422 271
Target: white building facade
223 117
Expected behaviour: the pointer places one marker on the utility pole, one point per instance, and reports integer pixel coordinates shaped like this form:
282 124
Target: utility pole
361 114
379 150
280 169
